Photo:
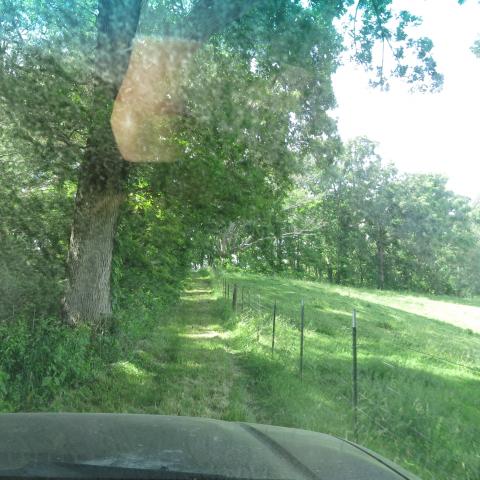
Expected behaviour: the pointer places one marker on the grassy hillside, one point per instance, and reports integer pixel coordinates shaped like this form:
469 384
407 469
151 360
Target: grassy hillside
418 376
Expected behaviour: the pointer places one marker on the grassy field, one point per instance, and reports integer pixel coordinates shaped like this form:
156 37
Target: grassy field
419 376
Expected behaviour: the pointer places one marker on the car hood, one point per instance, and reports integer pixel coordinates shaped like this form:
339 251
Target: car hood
183 444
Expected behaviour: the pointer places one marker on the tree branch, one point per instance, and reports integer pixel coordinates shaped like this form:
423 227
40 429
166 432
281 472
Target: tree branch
296 234
209 17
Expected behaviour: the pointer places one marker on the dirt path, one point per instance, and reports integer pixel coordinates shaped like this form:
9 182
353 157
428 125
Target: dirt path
185 367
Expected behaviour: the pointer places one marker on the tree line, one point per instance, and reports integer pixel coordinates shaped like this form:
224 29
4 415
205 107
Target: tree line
361 222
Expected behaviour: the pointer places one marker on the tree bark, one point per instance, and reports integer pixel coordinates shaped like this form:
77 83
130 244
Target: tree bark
381 264
103 173
330 273
297 256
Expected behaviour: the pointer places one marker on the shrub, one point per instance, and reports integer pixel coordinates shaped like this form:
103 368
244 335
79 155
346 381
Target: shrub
39 360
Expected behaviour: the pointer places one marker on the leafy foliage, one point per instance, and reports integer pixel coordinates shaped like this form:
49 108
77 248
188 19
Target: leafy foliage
476 48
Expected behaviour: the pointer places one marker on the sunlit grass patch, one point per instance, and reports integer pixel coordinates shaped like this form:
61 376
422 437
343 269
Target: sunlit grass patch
129 369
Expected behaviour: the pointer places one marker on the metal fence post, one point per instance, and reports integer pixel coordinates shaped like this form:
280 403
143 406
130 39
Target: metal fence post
234 297
273 325
259 313
302 326
354 373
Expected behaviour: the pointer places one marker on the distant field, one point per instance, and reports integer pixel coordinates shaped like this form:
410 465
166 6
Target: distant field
419 374
464 313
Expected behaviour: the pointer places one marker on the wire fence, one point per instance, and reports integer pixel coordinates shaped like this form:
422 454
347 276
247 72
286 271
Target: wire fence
379 390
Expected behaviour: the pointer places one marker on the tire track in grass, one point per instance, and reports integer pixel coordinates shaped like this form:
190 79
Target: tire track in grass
186 366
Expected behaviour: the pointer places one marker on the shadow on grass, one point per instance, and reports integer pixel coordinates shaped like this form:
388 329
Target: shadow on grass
322 295
411 416
326 310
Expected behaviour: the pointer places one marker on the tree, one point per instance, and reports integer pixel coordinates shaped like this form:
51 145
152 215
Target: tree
435 236
361 222
103 172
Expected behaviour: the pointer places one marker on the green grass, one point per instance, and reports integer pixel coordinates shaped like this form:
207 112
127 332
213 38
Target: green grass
179 364
419 376
200 359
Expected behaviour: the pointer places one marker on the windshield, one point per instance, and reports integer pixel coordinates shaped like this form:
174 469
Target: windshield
261 211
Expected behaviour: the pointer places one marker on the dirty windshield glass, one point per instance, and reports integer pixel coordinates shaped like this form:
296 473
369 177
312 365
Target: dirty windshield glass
262 211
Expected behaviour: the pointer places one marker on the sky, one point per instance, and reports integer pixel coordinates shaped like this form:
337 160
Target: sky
430 132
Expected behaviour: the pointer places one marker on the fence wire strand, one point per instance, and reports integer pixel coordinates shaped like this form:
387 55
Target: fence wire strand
257 305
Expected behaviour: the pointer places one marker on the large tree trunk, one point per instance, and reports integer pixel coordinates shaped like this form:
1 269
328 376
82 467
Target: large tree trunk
97 205
103 173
